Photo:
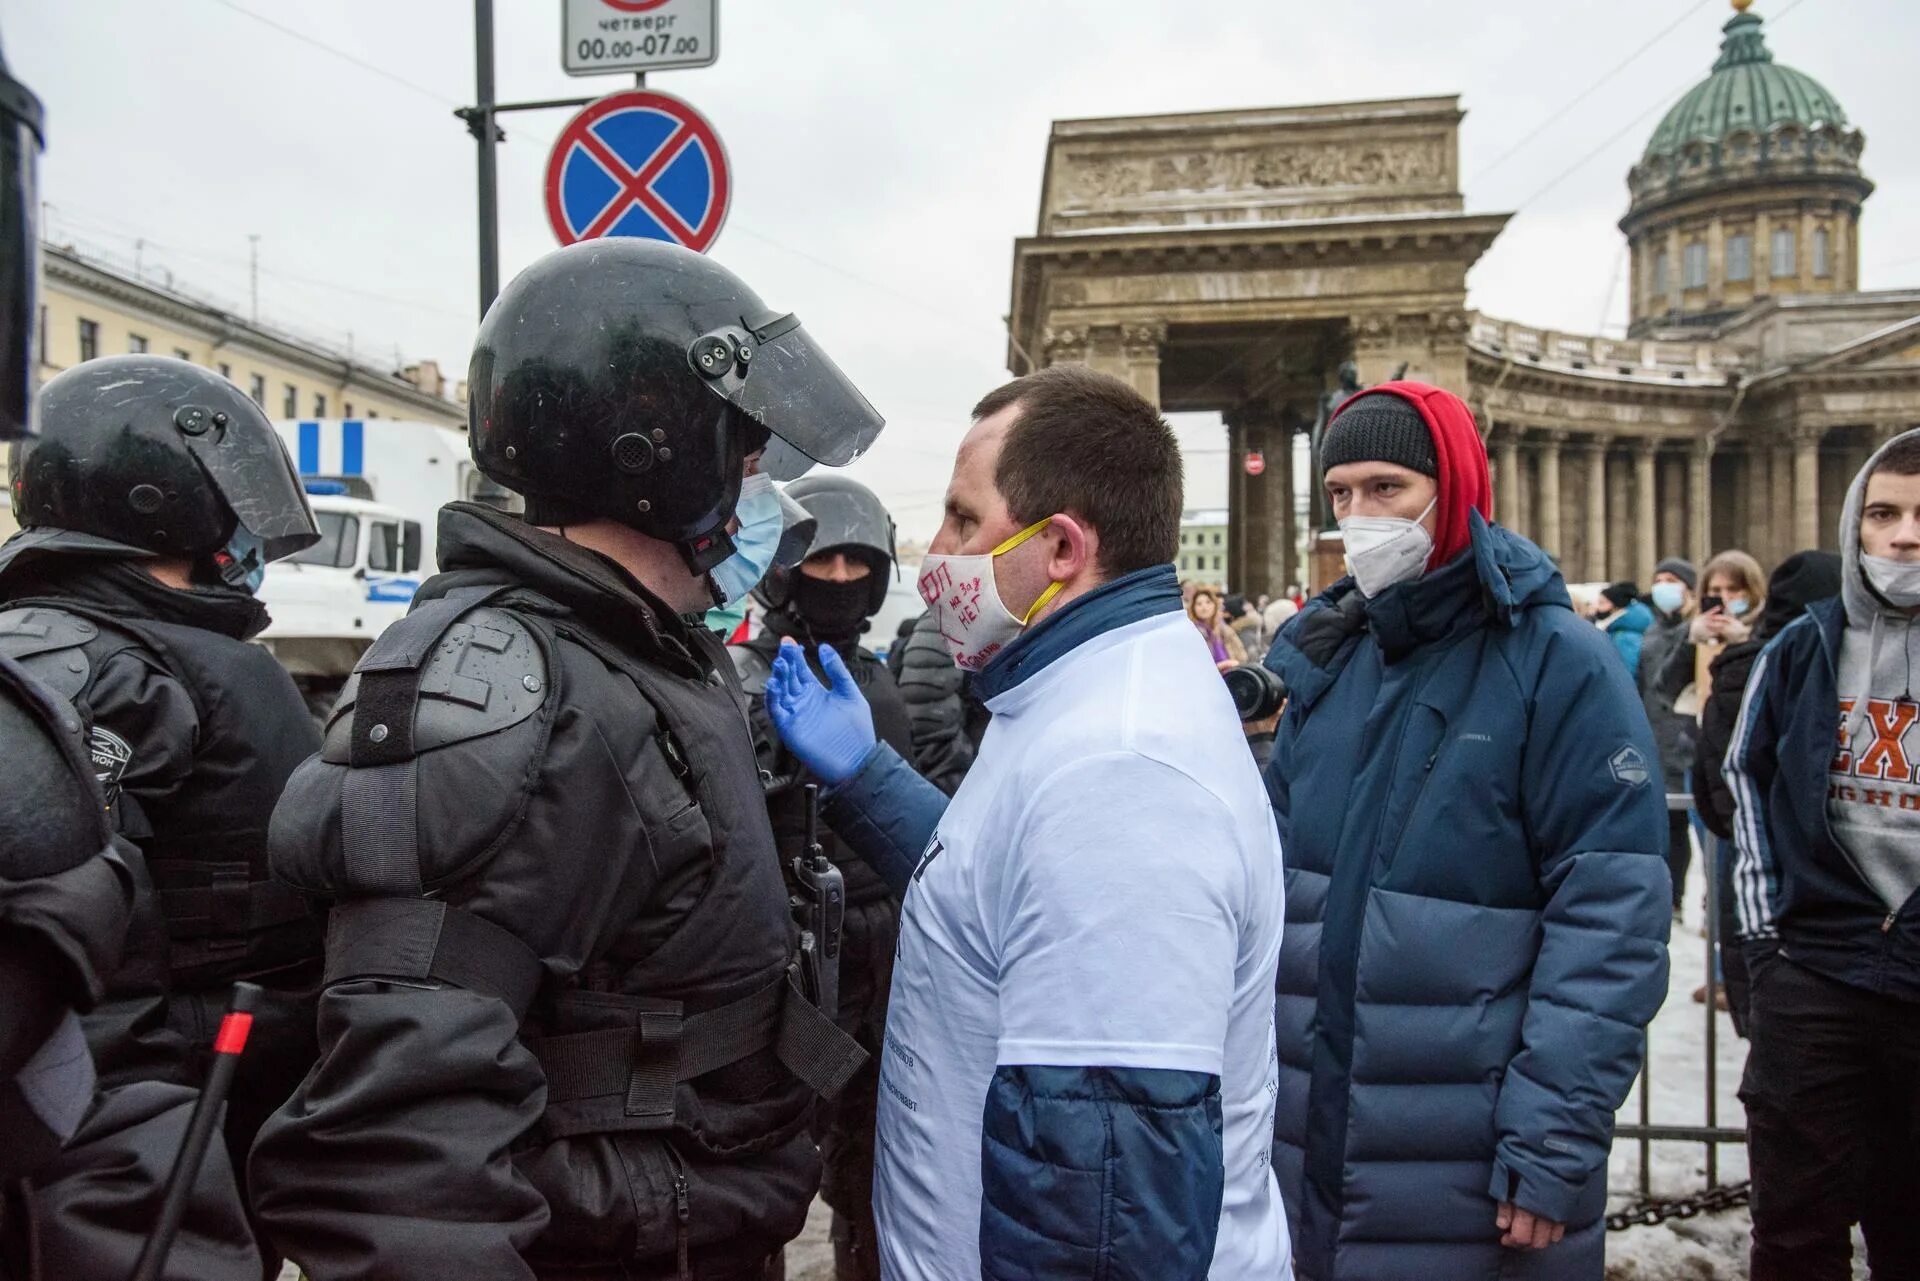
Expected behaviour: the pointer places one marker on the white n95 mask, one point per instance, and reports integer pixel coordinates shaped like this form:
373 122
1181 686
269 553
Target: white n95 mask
1897 581
965 600
1384 550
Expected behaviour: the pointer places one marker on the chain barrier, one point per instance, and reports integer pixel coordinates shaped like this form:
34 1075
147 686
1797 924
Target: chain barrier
1653 1213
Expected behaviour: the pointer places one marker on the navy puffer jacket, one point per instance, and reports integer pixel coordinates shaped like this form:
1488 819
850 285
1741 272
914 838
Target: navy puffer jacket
1477 912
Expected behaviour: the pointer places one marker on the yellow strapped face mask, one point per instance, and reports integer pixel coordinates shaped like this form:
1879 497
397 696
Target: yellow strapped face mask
965 598
1021 537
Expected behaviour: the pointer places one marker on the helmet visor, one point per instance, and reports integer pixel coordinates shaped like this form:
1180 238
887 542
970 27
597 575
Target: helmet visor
248 463
796 533
772 371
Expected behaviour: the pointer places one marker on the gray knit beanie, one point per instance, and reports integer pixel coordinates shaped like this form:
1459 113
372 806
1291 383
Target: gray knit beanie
1680 569
1381 427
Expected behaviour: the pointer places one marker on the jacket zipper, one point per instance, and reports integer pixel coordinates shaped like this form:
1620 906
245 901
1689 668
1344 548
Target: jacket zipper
683 1216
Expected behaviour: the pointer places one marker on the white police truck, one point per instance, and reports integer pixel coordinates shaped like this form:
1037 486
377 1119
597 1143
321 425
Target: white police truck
376 486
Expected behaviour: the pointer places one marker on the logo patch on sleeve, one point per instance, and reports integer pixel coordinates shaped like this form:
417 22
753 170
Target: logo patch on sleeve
111 756
1629 767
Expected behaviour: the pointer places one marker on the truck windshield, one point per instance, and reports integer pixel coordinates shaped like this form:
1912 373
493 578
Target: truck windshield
339 541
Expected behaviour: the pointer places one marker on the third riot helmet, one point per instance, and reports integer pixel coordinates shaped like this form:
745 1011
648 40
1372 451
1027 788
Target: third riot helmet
159 455
629 379
848 518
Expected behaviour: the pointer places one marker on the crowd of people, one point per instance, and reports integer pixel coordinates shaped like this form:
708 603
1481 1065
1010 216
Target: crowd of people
580 943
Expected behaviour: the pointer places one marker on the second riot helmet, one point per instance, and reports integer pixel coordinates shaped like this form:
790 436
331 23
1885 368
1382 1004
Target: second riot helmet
628 379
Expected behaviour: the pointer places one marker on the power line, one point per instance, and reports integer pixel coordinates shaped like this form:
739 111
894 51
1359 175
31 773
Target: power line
322 45
1587 92
1631 125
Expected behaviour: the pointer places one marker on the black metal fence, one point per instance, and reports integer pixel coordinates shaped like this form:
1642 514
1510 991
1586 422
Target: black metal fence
1649 1131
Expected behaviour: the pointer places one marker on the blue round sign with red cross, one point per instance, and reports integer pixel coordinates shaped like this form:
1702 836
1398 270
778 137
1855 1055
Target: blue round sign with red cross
638 163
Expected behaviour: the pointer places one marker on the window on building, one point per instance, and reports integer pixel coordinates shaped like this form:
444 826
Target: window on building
1822 248
1660 268
1783 264
1216 538
181 353
226 371
373 413
89 339
319 404
257 388
1739 257
346 409
1216 562
136 343
1693 265
290 403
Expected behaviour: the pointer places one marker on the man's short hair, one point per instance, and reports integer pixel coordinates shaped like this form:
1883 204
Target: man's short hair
1089 445
1901 459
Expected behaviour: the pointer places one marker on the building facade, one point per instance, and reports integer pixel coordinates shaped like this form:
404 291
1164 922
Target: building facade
1233 261
1203 545
89 309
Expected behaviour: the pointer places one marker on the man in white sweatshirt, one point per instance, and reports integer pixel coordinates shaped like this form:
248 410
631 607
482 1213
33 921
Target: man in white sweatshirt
1079 1076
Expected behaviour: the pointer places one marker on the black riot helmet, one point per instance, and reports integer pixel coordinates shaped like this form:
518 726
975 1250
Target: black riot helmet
848 517
629 379
20 140
161 455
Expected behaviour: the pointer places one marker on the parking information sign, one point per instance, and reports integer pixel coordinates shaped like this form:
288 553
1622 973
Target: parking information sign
602 37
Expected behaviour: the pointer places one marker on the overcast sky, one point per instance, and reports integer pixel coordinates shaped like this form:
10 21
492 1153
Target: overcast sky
885 153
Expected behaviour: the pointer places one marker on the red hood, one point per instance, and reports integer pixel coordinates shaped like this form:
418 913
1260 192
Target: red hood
1464 482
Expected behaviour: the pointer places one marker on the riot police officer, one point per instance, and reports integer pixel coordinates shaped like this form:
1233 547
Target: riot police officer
827 600
151 503
63 893
566 1030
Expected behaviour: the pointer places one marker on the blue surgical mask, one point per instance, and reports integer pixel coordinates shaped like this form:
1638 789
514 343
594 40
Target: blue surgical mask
1738 605
242 563
1669 597
754 543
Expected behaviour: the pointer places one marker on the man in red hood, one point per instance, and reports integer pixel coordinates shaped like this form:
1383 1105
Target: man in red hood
1473 827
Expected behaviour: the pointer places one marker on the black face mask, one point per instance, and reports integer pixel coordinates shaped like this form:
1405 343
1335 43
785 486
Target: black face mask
834 612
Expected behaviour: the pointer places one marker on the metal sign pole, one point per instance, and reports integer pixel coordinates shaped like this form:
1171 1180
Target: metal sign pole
481 122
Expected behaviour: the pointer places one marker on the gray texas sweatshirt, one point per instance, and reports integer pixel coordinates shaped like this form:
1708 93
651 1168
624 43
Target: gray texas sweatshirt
1873 796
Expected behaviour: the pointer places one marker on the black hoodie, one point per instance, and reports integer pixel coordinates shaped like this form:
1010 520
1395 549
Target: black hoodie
1800 580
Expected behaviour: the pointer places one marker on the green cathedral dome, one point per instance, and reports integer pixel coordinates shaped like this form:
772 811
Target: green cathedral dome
1747 91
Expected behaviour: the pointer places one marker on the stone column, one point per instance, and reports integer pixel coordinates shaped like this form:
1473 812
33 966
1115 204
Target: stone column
1551 535
1140 349
1619 520
1806 486
1760 536
1700 502
1779 514
1523 515
1506 478
1236 496
1595 451
1675 272
1646 521
1803 252
1762 254
1283 528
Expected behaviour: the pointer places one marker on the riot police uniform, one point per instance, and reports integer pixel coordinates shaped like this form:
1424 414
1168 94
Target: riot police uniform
192 733
850 519
564 1031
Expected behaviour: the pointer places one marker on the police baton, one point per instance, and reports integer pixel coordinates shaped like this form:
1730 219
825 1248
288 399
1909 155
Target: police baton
232 1039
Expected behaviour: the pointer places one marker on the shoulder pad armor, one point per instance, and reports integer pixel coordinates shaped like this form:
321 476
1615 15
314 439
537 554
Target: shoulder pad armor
485 673
752 667
47 644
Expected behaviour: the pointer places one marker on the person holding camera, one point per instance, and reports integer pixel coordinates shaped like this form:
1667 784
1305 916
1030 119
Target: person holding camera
1259 696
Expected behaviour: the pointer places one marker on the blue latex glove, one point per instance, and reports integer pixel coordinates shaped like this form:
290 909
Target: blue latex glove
830 728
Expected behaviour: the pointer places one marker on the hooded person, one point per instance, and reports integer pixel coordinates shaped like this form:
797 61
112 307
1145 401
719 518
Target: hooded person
828 601
1461 757
1827 891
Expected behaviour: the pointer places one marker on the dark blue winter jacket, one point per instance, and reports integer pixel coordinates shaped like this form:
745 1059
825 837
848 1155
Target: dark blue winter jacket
1477 911
1791 877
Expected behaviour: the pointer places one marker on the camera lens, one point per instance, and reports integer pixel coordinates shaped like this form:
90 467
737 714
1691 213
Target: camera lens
1257 693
